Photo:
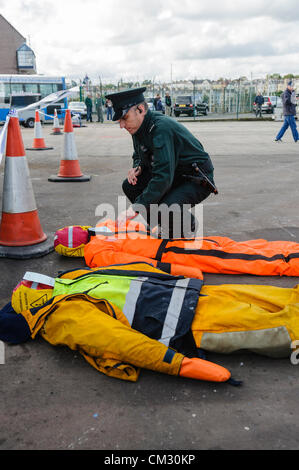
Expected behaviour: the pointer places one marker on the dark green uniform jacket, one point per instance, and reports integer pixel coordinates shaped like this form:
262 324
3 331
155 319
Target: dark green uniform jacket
169 149
88 102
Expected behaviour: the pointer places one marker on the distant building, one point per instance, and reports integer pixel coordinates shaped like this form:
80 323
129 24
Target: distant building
15 55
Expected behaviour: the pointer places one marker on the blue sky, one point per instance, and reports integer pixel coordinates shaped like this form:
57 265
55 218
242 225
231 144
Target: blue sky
138 39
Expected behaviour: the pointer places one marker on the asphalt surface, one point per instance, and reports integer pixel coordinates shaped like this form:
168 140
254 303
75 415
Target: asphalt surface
52 399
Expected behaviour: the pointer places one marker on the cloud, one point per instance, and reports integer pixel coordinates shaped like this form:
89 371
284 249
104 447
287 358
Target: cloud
141 39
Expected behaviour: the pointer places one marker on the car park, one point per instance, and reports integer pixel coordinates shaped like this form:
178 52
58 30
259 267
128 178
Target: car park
78 107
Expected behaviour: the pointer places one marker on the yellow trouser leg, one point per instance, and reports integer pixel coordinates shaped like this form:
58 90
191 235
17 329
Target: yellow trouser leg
263 319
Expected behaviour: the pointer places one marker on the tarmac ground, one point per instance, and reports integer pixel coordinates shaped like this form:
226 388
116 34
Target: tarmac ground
52 399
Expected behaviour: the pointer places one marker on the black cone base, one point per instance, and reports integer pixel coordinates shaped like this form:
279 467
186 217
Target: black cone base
43 148
26 252
71 179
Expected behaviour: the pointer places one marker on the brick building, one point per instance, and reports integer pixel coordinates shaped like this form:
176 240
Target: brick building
15 55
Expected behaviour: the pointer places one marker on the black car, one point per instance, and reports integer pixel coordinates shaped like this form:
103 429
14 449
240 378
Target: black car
202 108
185 105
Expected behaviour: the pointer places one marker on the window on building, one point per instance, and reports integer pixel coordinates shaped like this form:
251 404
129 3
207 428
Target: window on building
46 89
31 87
16 88
2 92
25 57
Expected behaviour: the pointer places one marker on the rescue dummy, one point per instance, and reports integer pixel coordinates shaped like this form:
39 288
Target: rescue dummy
86 320
109 244
125 317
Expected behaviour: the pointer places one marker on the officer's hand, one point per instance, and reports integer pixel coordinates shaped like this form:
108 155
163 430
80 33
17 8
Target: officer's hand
132 175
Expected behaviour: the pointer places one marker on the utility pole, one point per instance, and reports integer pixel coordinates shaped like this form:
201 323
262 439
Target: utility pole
101 88
80 90
194 107
238 98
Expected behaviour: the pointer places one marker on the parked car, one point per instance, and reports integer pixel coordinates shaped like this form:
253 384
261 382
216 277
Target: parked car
184 105
270 103
78 107
202 108
150 102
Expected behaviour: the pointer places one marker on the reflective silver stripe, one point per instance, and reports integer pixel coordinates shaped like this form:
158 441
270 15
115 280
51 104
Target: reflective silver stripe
39 278
38 130
17 187
70 236
69 151
173 311
132 297
272 342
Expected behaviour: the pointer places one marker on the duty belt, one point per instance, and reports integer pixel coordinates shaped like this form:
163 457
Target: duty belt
200 177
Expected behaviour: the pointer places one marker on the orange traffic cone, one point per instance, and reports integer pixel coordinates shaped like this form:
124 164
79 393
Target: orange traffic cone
69 165
21 234
38 141
56 127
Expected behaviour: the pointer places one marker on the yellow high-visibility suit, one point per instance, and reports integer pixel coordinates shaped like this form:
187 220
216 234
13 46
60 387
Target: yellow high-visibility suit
225 319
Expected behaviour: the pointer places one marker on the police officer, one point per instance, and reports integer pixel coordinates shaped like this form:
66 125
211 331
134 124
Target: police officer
88 103
170 166
99 108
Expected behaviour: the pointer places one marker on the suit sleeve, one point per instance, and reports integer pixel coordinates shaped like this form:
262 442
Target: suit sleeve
98 253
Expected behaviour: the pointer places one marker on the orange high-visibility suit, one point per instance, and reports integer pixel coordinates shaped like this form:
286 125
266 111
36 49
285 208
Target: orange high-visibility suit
193 257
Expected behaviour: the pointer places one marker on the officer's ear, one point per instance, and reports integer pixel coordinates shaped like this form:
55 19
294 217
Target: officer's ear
141 108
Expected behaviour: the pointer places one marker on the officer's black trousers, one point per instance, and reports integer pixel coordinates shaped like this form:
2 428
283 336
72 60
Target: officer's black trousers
182 192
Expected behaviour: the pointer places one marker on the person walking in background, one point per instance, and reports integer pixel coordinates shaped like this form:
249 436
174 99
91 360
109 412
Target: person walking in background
159 105
88 103
156 99
259 101
99 104
289 112
109 109
167 104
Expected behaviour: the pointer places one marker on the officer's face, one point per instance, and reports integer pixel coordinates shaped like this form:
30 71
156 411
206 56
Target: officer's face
133 119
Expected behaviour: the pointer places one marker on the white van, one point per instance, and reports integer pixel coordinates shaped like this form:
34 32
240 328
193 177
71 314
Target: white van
19 101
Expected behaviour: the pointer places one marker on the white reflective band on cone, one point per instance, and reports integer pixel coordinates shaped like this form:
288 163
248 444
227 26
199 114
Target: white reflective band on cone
39 278
38 130
174 310
69 151
17 188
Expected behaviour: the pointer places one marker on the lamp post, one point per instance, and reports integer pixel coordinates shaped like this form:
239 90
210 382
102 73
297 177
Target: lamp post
194 107
80 90
238 99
